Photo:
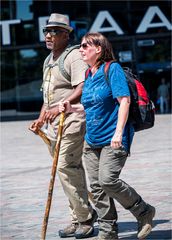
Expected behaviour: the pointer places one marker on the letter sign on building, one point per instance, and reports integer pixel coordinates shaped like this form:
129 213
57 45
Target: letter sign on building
101 17
6 39
97 25
42 22
148 17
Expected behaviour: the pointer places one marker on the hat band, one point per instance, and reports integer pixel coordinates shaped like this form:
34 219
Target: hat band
57 23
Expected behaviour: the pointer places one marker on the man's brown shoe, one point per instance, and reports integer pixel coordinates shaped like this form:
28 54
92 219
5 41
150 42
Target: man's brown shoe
68 231
145 223
86 228
84 231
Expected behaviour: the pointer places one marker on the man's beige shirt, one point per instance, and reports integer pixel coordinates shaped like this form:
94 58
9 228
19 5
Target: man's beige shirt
56 88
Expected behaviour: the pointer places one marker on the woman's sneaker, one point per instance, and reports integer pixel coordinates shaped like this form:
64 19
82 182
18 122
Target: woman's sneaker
145 223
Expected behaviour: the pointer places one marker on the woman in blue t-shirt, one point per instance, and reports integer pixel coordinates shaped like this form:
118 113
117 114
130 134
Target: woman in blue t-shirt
108 138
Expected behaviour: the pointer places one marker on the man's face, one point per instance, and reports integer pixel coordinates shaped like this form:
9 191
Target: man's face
55 37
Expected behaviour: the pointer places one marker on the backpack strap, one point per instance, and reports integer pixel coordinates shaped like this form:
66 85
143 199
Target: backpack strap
87 72
46 65
106 68
59 62
62 59
46 62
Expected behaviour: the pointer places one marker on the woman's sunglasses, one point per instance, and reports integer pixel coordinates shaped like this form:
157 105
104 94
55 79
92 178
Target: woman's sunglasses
84 45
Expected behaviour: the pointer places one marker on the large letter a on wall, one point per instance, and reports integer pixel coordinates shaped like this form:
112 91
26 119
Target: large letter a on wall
147 20
101 17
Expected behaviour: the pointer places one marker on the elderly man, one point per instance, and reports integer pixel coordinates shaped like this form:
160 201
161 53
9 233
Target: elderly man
57 87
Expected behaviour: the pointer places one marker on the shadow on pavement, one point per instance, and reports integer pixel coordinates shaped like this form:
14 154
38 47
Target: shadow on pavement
128 230
156 235
133 225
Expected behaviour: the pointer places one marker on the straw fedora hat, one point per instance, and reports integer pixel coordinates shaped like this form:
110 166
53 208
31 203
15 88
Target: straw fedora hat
59 20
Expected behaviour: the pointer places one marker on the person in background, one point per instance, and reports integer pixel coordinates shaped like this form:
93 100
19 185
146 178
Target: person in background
108 138
57 88
163 96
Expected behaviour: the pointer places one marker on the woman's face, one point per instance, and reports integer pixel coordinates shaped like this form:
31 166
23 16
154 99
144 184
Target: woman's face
89 53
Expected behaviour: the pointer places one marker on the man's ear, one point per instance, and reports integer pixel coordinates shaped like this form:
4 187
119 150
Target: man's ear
66 35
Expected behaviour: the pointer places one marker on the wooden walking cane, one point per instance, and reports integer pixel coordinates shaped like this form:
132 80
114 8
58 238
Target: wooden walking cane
53 175
44 137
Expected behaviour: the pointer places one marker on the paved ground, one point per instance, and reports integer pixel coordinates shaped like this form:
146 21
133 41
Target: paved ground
25 175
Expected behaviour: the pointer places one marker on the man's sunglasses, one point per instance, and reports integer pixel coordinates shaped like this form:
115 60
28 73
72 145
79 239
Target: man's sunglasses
84 45
52 32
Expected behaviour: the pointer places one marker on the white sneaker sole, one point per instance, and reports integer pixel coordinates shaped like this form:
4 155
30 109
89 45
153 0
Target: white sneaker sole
146 229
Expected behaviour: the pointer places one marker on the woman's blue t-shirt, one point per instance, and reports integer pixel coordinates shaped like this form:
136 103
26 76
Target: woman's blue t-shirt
99 99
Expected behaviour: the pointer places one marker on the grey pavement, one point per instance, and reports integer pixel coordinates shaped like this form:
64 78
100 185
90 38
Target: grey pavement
25 175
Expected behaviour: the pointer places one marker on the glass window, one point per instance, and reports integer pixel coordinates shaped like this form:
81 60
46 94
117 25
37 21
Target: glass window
23 9
155 56
159 50
22 78
23 33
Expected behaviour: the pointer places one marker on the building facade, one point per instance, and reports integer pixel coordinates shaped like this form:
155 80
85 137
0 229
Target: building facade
140 33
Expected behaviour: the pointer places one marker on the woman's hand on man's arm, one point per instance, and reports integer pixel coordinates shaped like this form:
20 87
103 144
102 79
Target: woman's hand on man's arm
67 107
